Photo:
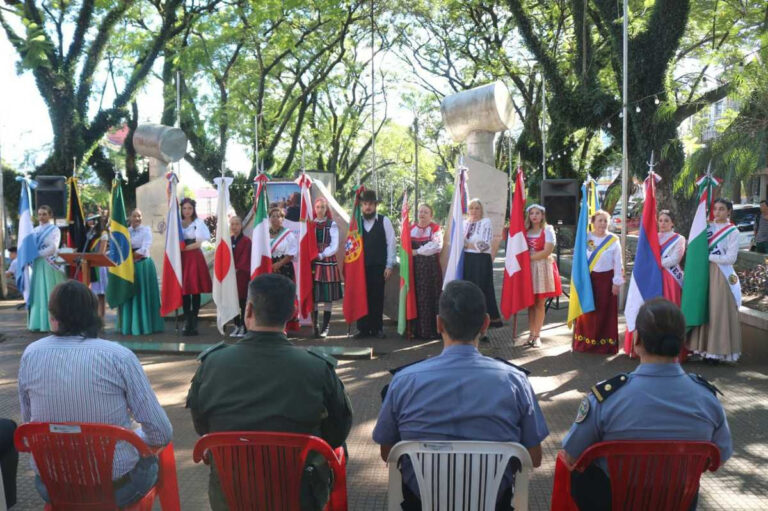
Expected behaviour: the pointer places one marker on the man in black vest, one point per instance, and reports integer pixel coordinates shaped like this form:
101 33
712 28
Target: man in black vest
379 249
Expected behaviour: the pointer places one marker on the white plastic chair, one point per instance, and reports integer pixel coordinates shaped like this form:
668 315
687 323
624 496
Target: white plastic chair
465 472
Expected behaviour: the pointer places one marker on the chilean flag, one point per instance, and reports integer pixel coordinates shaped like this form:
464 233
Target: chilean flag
646 282
261 252
307 249
517 289
171 293
225 281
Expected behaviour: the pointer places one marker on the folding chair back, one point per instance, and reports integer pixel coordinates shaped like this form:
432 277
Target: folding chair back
461 475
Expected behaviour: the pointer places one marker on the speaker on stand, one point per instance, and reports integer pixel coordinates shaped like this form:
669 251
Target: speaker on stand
52 191
561 199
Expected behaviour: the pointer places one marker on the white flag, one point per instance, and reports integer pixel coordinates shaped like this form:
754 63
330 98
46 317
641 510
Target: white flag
225 282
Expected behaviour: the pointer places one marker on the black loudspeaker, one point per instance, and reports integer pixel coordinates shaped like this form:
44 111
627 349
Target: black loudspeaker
561 198
52 191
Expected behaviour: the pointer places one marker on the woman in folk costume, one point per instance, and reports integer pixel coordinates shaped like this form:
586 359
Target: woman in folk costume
325 269
98 244
478 264
672 247
426 242
194 269
598 331
241 251
45 275
284 248
141 314
545 275
720 339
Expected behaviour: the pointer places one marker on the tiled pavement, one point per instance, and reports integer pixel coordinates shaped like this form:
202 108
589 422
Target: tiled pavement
559 377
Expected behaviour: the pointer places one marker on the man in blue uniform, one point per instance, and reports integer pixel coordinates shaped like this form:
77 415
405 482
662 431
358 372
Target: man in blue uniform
460 394
658 401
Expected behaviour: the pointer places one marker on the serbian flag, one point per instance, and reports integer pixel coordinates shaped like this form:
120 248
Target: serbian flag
355 292
582 300
26 242
307 249
261 253
407 308
454 269
224 282
517 289
647 274
171 292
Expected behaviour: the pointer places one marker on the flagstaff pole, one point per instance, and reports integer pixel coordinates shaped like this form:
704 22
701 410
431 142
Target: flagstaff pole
625 140
373 102
543 128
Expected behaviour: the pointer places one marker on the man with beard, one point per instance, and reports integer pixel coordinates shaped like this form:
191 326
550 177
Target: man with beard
379 247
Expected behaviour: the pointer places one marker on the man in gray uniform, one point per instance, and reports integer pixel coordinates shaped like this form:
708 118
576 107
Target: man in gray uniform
265 383
658 401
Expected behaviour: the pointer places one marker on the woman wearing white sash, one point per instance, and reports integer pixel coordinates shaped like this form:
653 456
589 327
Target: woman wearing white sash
284 247
672 247
720 339
45 275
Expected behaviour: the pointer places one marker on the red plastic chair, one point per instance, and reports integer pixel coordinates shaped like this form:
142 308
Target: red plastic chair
262 470
75 463
658 475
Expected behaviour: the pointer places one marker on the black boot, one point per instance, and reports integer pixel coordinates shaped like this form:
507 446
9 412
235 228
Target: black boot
187 325
193 329
326 324
315 329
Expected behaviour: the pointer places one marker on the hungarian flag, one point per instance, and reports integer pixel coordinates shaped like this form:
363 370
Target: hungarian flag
695 299
171 292
355 292
517 289
407 309
646 281
307 249
224 282
120 287
261 253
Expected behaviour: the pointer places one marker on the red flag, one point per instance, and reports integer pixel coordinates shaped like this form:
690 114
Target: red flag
517 289
307 249
407 309
355 291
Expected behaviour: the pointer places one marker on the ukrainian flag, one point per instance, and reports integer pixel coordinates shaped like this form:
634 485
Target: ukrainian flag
581 300
592 200
120 282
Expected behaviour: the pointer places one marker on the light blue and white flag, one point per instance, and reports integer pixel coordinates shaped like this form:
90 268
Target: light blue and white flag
26 243
454 270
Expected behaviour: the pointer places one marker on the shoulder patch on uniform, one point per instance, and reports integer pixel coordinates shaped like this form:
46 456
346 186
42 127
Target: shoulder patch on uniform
519 368
583 410
605 388
324 356
409 364
702 381
210 350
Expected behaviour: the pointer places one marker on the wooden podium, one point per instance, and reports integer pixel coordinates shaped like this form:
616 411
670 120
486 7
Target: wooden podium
86 260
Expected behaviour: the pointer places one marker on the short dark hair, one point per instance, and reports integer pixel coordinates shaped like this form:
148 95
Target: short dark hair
272 296
764 201
75 307
462 310
661 327
725 202
187 200
13 249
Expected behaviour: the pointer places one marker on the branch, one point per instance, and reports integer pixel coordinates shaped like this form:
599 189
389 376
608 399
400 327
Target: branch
686 110
81 28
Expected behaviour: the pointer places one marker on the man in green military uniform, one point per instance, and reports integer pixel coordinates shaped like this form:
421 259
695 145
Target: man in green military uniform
265 383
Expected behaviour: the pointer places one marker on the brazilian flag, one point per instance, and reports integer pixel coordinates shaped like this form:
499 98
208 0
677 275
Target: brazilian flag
120 282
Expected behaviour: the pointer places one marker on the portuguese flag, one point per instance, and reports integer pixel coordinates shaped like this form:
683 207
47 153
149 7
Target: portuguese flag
407 308
355 291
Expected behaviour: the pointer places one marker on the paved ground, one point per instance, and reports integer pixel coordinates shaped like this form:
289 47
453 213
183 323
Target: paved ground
559 377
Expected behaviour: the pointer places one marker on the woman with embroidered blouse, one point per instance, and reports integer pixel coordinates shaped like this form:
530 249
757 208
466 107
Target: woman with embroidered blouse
194 269
544 272
326 275
478 263
284 248
426 243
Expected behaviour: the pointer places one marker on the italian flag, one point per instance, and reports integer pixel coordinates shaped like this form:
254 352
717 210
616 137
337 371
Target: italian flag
407 308
695 299
261 254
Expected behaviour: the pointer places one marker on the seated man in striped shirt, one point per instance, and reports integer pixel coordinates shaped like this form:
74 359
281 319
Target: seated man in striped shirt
73 376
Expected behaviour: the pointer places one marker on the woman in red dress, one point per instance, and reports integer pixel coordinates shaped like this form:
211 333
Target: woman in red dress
194 269
545 275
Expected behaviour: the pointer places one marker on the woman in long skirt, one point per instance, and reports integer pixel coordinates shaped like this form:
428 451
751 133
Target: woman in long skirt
99 245
45 274
720 339
544 272
326 276
194 269
598 331
478 264
284 248
426 242
241 253
141 314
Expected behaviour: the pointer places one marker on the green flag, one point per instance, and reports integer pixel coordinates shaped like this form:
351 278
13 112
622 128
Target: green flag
120 282
695 299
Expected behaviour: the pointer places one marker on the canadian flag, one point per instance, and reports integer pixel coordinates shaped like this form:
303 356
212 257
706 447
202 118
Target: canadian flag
171 293
517 289
307 248
225 281
261 253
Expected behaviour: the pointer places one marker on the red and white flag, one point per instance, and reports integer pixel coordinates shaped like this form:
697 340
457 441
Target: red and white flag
261 253
517 289
307 249
171 292
225 281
